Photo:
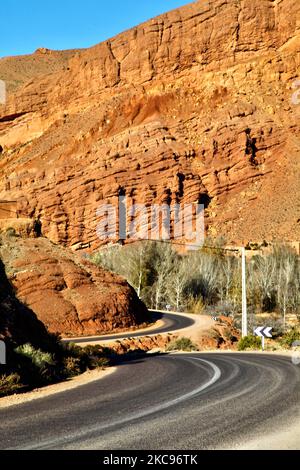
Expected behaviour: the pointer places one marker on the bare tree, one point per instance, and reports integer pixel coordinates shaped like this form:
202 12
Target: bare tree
177 283
264 269
226 275
159 274
163 258
134 265
287 280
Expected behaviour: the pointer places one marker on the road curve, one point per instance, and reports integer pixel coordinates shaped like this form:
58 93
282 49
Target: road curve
178 401
171 322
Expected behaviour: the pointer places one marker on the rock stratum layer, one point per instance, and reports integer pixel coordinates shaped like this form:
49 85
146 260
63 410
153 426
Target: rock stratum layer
192 106
67 293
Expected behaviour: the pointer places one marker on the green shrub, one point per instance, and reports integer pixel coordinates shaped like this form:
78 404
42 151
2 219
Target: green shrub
289 337
182 344
30 367
93 350
71 366
249 342
229 336
38 358
97 356
100 362
195 305
72 349
214 334
10 384
88 357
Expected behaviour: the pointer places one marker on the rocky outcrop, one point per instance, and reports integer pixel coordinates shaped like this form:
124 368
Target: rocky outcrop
223 335
18 323
192 106
142 344
70 295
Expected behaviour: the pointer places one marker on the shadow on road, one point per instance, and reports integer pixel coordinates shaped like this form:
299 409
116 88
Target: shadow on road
136 356
156 315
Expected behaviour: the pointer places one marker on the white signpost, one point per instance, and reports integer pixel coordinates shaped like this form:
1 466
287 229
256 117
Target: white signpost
263 332
2 92
2 352
244 295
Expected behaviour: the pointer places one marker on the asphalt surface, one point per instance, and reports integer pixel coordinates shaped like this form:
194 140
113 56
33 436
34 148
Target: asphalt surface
171 323
178 401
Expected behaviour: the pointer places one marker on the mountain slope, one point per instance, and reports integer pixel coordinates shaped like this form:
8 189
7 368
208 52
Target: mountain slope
192 106
18 70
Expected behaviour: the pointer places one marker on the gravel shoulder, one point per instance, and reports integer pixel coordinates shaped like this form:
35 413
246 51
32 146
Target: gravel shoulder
85 378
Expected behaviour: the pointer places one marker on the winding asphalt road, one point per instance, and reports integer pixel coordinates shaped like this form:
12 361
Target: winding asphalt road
177 401
171 322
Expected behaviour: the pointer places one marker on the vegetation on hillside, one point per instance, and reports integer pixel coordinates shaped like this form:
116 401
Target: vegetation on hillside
248 343
182 344
29 367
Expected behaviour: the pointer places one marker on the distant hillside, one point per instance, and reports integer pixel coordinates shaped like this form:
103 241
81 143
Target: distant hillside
18 70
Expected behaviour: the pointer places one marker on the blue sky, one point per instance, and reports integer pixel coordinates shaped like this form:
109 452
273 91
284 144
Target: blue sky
66 24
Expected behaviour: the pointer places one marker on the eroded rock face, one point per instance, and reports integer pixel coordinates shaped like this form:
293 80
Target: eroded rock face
192 106
144 343
68 294
18 323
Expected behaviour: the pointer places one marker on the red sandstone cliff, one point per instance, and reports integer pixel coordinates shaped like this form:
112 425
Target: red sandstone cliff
194 105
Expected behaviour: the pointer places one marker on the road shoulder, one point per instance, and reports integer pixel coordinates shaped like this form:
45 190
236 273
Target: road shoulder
79 380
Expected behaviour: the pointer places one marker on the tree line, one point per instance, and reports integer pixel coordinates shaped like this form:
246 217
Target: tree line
206 279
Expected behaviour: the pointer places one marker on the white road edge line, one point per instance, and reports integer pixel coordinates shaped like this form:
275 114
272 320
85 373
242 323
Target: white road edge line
135 416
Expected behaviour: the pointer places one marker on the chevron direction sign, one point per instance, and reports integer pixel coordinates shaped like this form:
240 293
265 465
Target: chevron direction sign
263 331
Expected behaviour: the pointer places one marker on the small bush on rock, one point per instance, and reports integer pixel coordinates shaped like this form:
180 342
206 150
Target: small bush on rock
71 366
249 342
290 337
182 344
10 384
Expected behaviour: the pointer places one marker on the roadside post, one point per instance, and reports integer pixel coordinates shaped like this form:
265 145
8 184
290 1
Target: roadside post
2 352
244 295
263 332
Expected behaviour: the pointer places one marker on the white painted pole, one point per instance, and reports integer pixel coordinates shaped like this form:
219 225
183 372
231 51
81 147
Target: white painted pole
244 295
263 343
